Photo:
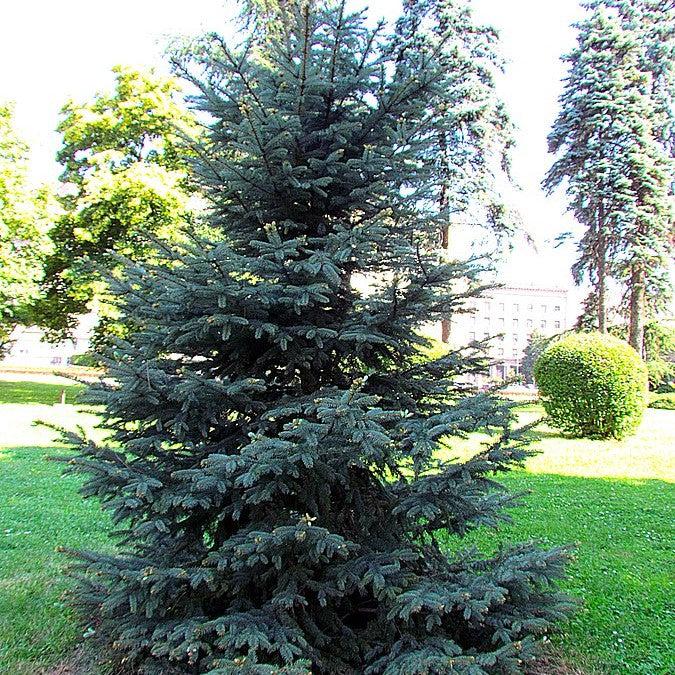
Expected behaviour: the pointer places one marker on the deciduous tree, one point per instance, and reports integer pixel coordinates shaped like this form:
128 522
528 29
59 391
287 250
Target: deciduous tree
123 178
24 220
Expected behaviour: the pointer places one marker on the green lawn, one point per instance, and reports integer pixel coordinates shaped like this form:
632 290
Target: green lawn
39 510
12 391
615 499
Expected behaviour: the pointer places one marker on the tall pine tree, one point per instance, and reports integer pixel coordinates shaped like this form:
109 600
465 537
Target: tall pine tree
608 137
272 460
653 24
650 249
476 136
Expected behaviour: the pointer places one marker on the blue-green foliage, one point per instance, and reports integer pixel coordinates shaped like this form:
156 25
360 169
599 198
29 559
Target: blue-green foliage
272 460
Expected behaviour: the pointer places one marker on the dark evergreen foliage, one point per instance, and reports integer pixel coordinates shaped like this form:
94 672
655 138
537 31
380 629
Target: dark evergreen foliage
536 343
614 156
272 460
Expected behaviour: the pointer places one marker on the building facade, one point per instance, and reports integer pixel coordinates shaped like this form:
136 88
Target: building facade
29 347
507 316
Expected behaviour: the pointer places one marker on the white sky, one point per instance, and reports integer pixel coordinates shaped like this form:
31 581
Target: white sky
52 51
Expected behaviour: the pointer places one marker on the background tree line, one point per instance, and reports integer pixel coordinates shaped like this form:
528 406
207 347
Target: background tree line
125 179
126 172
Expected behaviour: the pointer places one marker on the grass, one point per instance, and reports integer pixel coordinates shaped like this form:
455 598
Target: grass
614 498
623 572
39 510
37 392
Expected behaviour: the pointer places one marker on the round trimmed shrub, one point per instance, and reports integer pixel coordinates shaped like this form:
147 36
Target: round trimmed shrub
592 385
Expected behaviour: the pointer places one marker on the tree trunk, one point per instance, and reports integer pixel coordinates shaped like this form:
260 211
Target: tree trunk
445 237
602 303
636 328
602 272
445 245
445 330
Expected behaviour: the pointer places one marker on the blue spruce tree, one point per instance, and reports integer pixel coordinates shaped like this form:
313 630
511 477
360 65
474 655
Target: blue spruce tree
272 458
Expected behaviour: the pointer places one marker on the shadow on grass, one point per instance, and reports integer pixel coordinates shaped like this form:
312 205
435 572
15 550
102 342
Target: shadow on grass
38 392
623 529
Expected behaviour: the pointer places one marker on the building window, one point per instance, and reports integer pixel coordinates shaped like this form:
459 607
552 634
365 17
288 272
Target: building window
501 306
486 336
486 306
557 324
515 337
529 323
516 307
543 324
515 323
530 308
501 321
543 308
472 336
556 308
515 352
500 338
501 352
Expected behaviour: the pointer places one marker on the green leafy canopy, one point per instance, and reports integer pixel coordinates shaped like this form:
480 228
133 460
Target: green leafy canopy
592 385
24 221
124 179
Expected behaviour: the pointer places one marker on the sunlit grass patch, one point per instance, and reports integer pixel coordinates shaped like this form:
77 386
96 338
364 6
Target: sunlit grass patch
615 499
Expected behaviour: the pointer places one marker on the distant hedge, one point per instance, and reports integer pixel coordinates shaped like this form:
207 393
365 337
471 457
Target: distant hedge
87 359
592 385
663 401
